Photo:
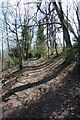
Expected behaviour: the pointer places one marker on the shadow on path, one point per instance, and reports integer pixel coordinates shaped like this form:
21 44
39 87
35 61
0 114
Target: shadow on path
32 67
59 103
55 73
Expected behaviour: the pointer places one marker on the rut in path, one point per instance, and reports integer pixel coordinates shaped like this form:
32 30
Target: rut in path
37 94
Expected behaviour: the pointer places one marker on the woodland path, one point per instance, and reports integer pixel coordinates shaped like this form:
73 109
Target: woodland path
43 90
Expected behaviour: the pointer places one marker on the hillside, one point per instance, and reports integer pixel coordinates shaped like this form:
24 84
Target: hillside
48 89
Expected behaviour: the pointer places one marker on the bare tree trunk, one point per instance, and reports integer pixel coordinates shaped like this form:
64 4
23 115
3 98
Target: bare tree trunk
2 56
19 50
23 41
8 45
18 44
56 48
78 19
66 35
47 34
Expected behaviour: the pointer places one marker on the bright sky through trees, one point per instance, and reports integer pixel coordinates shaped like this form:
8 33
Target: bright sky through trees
33 9
14 14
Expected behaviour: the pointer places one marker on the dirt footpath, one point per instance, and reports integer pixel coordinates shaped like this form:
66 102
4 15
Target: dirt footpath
44 90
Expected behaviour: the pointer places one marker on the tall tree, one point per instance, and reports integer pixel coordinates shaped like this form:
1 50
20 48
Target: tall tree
40 42
66 36
5 15
17 40
78 19
2 56
27 37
